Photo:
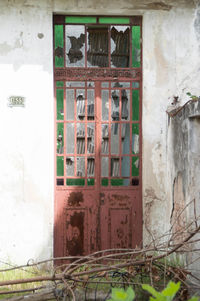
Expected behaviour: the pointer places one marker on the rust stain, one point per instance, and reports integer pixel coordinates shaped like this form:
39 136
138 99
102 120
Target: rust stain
75 198
119 197
75 237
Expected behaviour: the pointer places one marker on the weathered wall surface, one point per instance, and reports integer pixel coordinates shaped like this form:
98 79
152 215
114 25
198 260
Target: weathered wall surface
171 48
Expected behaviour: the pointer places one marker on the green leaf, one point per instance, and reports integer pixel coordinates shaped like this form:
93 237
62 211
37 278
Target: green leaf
171 290
119 294
188 93
152 291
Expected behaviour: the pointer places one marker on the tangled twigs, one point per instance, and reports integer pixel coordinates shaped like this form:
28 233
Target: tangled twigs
100 271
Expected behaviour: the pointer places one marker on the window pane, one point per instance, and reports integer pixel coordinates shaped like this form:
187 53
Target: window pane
70 166
60 166
104 167
115 105
70 104
135 166
120 84
90 138
105 139
80 104
75 84
125 167
115 139
97 49
60 108
115 20
80 138
59 42
59 84
70 138
104 182
120 46
90 167
135 138
115 172
75 45
90 182
125 136
105 104
80 166
136 47
60 140
125 107
75 182
90 104
83 20
135 105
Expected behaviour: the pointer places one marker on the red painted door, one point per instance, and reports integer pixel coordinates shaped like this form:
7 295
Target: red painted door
98 182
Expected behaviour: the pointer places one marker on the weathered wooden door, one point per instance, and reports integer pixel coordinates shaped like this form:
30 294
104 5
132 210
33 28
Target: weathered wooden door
98 75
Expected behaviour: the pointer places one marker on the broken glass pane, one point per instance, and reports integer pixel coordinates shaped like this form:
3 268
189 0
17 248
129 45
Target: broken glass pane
70 166
70 138
80 138
104 166
135 138
115 139
125 167
115 172
97 47
135 166
115 105
58 46
60 166
75 84
120 84
125 135
80 166
90 104
80 104
136 47
120 45
60 182
90 167
105 104
125 106
75 45
60 107
135 105
105 139
60 140
90 138
69 104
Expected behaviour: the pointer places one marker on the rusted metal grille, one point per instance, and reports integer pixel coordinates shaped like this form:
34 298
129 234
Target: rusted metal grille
98 80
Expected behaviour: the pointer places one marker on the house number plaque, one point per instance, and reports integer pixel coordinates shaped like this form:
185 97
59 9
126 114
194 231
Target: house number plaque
16 101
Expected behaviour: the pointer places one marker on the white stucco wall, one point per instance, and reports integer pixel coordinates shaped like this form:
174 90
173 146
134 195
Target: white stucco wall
171 57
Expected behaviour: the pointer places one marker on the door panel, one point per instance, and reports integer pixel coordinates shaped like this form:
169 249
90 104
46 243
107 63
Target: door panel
98 183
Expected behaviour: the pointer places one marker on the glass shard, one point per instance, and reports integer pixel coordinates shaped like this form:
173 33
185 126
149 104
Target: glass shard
125 106
80 104
58 46
115 104
136 47
120 46
75 45
97 49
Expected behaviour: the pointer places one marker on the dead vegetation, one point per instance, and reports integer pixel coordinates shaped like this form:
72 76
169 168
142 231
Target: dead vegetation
92 277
